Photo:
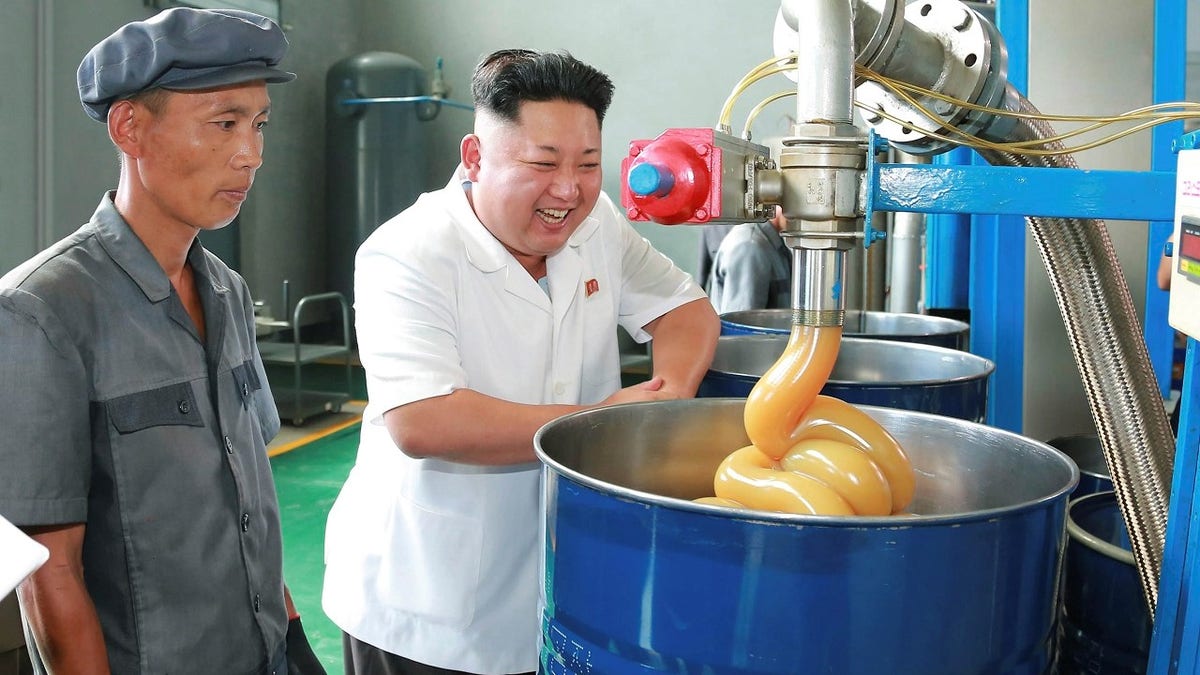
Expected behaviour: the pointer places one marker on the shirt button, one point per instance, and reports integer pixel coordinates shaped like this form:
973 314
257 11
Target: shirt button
559 388
245 522
256 602
245 389
185 407
228 445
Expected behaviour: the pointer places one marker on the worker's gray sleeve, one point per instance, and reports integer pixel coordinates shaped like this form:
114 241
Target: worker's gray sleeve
742 276
45 447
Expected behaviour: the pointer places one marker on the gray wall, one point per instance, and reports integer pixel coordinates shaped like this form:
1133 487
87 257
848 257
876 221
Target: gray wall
62 161
677 73
283 223
19 131
673 63
1103 65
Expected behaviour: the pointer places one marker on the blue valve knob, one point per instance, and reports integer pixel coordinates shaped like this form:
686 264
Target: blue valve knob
647 179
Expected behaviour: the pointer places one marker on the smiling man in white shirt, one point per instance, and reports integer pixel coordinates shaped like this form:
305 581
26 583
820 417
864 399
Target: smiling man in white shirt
484 311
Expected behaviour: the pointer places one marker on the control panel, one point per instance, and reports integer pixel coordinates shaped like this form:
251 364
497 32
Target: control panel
1184 313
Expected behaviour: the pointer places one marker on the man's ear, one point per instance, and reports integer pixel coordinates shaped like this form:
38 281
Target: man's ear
470 154
125 121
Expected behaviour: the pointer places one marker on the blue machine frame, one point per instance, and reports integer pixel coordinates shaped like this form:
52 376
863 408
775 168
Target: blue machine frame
998 259
997 263
988 248
1174 648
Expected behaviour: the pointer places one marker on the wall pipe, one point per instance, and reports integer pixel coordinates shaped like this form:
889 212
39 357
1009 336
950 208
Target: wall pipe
906 245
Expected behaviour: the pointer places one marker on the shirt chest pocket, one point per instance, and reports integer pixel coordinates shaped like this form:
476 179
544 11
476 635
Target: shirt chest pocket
172 405
246 381
256 399
600 358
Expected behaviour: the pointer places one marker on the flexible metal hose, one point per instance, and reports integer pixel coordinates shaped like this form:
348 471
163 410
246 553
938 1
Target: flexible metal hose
1109 348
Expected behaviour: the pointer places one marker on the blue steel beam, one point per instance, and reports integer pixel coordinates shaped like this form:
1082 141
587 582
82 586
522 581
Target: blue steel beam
1174 649
997 294
1170 66
1022 191
948 249
1174 646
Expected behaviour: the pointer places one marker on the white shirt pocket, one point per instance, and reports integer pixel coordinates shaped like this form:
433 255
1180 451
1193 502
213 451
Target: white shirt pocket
431 567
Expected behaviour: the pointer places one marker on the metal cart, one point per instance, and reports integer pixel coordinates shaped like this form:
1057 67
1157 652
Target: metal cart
297 403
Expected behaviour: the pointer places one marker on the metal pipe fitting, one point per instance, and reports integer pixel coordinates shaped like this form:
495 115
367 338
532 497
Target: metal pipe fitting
822 165
825 76
818 278
912 55
906 246
944 46
821 179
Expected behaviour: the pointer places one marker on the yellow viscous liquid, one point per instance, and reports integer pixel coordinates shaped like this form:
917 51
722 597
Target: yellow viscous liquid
750 478
782 395
813 454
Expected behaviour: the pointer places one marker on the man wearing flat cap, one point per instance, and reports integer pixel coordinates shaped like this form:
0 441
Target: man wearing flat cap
135 407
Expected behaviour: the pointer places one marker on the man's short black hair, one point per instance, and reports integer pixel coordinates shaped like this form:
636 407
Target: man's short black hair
505 79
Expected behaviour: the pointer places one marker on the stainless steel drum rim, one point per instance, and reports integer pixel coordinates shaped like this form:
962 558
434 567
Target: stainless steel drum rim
983 370
1092 541
930 325
1084 450
869 522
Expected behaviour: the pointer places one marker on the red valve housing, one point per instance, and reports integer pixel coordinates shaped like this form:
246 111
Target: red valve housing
685 183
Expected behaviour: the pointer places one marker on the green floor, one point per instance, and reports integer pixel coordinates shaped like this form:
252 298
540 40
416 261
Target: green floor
308 480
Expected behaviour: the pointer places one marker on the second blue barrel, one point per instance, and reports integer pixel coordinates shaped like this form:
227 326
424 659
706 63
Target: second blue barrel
920 328
1086 452
883 373
1105 626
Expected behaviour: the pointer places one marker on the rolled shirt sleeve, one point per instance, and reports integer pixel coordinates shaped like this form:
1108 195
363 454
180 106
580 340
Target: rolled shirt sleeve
405 327
45 448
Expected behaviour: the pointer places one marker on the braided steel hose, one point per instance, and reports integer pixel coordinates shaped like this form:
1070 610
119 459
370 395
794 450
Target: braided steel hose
1108 345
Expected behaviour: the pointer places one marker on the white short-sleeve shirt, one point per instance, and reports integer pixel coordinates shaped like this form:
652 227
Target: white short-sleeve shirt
437 561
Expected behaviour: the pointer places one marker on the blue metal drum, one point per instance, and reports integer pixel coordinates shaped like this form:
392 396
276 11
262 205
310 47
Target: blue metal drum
1106 626
867 372
1085 451
920 328
639 579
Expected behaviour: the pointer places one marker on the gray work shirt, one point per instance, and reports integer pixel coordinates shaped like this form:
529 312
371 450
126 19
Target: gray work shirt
115 414
752 270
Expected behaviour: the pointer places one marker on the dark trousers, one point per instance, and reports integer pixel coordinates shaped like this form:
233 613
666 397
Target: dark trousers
15 662
364 659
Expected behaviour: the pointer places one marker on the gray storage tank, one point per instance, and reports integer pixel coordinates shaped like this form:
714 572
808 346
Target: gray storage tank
376 155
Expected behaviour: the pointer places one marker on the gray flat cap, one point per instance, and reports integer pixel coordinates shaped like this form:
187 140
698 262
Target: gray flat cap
181 48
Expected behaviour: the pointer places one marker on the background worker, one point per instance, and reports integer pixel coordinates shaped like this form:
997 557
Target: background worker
711 237
134 403
1162 278
484 311
1166 265
752 268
